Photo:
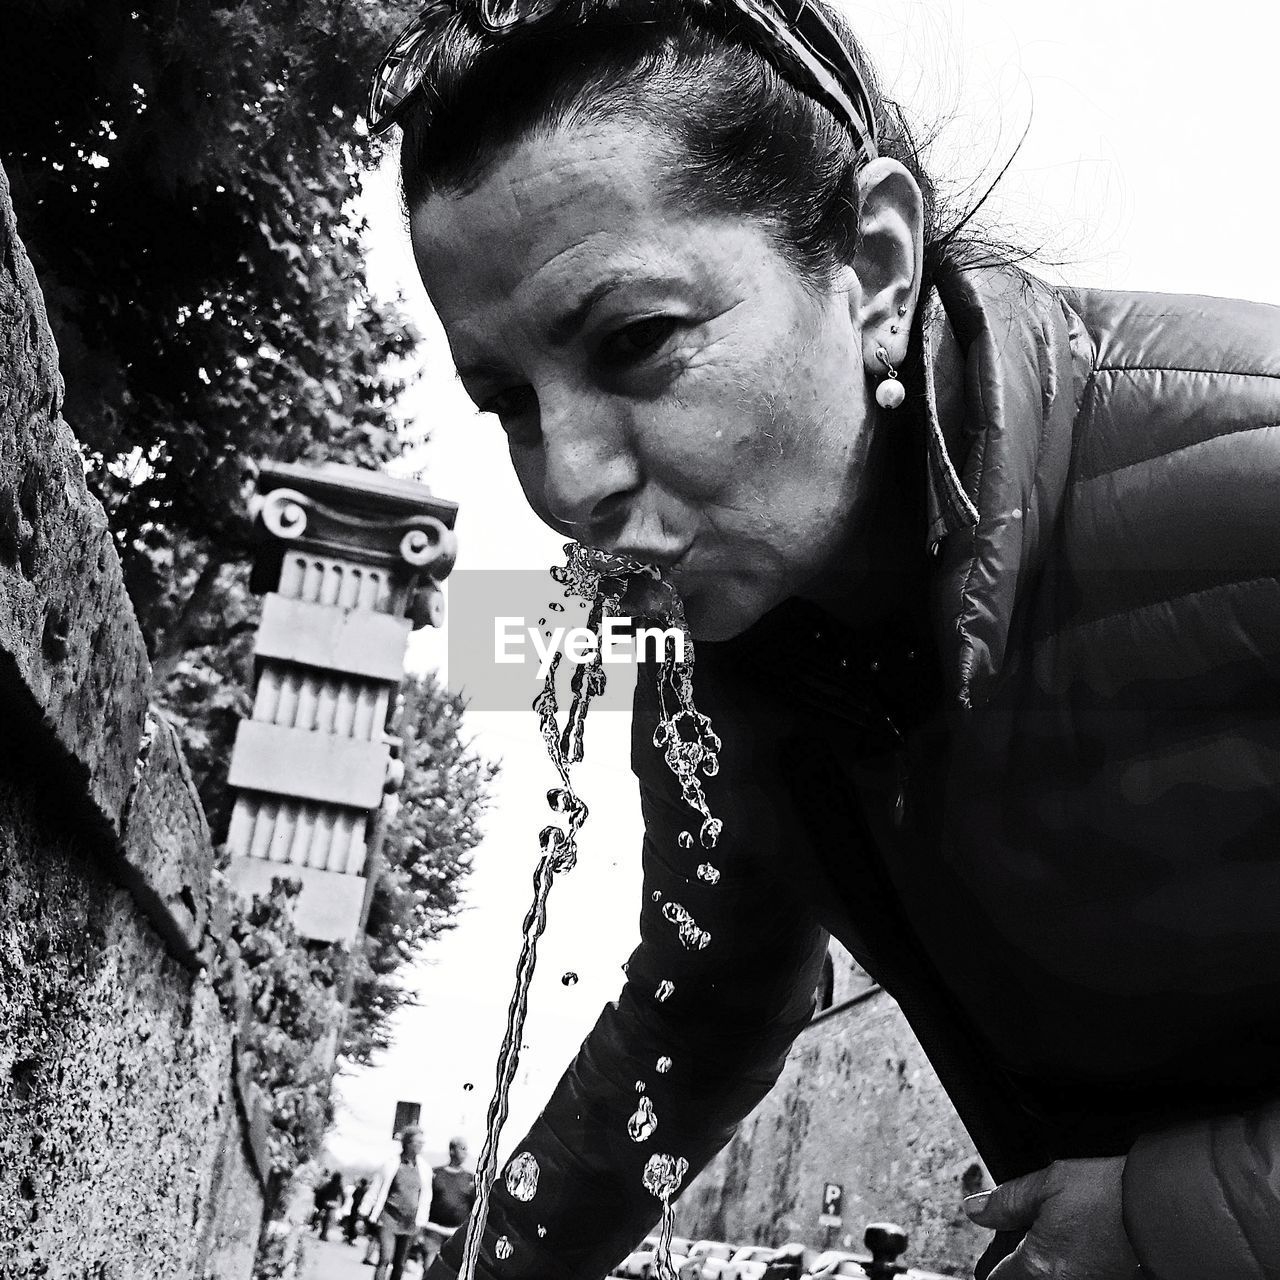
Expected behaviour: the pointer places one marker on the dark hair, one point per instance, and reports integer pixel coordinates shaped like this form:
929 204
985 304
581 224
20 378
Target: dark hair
744 140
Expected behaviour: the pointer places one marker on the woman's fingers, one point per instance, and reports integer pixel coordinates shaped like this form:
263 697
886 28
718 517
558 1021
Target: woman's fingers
1012 1206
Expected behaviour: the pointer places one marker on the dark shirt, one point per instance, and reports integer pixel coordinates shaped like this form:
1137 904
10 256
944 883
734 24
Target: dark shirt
401 1208
453 1191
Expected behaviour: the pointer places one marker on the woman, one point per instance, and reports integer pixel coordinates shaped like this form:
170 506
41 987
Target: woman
986 576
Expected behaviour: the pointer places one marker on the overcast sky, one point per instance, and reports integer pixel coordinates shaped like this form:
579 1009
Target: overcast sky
1149 163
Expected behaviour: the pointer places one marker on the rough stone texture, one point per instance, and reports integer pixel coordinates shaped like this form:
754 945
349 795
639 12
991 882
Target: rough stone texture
232 1230
122 1144
115 1068
71 654
167 848
858 1105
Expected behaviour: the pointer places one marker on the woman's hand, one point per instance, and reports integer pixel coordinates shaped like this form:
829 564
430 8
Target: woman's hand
1071 1213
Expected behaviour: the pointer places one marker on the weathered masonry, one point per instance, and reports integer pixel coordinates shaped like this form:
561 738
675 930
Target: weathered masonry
123 1137
132 1142
858 1107
353 561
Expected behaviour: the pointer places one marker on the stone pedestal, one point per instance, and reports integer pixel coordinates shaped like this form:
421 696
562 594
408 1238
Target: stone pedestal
351 561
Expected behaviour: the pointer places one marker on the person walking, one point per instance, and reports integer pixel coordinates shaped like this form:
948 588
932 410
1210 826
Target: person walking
453 1192
351 1222
328 1196
399 1208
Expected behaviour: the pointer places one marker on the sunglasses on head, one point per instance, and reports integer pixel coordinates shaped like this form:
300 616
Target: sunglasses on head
791 34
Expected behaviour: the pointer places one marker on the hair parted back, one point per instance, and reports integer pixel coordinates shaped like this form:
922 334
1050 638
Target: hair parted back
743 139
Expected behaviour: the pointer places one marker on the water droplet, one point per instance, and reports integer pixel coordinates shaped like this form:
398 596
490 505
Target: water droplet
542 1231
709 873
710 833
666 989
569 979
656 895
522 1177
626 967
639 1086
556 607
542 622
559 846
559 799
643 1123
685 839
503 1249
663 1175
691 936
466 1088
664 1065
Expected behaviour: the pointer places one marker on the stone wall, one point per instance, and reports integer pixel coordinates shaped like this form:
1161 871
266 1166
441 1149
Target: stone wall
124 1146
857 1105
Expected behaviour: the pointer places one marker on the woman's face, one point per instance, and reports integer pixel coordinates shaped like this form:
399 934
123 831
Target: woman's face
670 388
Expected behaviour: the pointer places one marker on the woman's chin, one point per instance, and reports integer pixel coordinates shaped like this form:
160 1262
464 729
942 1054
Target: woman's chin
720 607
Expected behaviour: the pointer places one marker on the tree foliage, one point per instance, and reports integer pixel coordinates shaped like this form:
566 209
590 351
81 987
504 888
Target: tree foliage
294 990
183 174
426 856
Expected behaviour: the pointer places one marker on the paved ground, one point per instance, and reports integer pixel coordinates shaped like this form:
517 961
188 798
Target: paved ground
334 1260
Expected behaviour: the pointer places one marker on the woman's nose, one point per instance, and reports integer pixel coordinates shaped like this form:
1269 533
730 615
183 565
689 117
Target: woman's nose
591 471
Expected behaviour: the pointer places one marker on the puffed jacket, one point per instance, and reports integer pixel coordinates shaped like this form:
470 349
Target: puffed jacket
1043 810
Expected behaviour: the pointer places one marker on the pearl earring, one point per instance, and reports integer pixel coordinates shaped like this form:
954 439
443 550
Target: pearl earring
890 393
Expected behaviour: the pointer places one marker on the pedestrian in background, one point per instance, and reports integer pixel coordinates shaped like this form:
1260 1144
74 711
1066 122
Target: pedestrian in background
328 1196
399 1208
351 1223
453 1192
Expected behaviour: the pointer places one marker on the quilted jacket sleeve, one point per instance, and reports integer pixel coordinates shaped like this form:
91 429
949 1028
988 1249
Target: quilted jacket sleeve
1203 1199
733 1011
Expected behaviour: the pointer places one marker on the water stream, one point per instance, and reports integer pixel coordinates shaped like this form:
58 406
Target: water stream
690 748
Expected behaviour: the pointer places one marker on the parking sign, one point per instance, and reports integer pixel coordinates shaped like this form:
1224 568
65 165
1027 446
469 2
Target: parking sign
832 1204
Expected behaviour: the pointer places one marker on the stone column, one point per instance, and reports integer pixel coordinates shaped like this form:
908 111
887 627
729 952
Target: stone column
350 562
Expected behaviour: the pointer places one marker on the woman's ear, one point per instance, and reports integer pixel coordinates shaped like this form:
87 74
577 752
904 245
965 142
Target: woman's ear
888 261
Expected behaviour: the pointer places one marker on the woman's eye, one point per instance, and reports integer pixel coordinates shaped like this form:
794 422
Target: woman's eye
517 410
637 340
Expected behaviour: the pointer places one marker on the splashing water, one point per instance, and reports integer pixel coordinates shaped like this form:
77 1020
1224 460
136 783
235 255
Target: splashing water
691 936
643 1122
522 1176
690 748
662 1177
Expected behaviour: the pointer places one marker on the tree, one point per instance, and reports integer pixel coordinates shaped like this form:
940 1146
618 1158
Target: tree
426 855
184 174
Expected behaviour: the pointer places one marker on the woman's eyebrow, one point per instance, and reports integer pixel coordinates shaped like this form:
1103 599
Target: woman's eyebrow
562 329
